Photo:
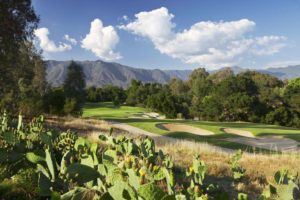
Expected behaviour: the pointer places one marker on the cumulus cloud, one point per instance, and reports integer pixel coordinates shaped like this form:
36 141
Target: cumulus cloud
101 40
212 44
48 45
71 40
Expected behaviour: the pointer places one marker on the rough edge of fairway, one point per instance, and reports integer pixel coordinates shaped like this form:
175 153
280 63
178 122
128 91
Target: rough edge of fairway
184 128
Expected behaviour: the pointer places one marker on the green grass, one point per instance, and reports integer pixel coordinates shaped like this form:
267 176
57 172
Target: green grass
107 111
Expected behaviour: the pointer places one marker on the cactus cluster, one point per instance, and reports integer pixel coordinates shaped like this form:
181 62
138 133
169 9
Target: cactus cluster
71 167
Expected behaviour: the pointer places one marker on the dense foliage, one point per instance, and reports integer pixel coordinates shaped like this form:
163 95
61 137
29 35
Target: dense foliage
111 93
38 163
22 71
69 99
248 96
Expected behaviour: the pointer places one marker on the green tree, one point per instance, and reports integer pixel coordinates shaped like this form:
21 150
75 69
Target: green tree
178 87
292 95
32 82
74 89
91 94
54 101
21 68
292 99
163 102
221 75
133 92
199 84
280 116
268 89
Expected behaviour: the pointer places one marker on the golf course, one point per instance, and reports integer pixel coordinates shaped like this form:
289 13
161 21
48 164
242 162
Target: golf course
233 135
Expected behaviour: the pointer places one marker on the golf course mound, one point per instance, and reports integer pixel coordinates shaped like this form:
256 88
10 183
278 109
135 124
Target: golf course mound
184 128
238 132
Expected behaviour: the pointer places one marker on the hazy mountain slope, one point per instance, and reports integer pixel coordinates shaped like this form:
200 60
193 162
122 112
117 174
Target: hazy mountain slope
99 73
289 72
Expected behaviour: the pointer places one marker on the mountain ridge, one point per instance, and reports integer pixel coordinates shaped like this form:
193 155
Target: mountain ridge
99 73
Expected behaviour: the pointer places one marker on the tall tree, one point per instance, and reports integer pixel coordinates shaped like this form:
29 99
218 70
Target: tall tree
221 75
31 81
74 88
20 65
178 86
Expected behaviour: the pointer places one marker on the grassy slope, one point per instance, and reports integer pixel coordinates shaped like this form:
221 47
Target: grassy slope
122 114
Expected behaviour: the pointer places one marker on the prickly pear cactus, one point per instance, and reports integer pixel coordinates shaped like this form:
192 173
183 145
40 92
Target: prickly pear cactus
284 187
81 173
65 141
237 170
150 191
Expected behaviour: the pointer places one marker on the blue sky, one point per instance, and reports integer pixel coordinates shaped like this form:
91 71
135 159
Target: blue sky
171 34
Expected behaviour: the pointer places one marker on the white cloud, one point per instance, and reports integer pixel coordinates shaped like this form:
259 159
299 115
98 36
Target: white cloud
155 24
48 45
101 40
125 17
212 44
71 40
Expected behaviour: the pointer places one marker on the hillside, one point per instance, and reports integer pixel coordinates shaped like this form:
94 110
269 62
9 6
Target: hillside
100 73
288 72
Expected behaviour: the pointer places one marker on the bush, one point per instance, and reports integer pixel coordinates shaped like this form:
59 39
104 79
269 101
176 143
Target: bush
280 116
70 106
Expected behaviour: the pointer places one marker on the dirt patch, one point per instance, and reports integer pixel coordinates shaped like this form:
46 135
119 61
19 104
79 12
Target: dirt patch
238 132
184 128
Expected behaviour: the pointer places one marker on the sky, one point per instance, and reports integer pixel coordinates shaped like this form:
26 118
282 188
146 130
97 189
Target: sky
171 34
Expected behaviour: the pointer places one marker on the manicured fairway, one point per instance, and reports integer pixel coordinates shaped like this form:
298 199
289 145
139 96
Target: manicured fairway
107 110
125 113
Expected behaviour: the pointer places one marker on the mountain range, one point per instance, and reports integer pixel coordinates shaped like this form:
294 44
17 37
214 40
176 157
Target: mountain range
99 73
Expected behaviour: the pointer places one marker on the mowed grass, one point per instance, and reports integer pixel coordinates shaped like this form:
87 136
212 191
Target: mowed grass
124 114
216 127
106 110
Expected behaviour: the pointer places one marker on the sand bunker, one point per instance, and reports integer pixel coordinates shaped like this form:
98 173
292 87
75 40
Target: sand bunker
184 128
275 143
149 115
238 132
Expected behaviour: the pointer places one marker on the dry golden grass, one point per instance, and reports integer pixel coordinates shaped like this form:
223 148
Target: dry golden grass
78 124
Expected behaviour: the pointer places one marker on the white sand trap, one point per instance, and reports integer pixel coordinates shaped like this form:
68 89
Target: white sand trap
275 143
146 115
184 128
238 132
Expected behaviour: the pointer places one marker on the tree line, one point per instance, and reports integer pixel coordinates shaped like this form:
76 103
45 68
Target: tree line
222 96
